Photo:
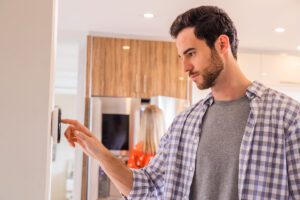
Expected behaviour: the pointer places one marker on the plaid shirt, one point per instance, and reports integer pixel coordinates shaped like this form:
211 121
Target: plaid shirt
269 161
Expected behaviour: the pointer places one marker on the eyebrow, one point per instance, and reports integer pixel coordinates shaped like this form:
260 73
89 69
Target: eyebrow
186 51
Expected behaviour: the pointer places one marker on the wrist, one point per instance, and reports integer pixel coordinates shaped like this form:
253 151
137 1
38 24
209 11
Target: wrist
100 151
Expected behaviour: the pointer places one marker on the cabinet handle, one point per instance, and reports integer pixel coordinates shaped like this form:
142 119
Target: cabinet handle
145 83
136 83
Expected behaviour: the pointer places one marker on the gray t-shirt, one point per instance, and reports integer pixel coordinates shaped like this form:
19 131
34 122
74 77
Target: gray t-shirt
217 160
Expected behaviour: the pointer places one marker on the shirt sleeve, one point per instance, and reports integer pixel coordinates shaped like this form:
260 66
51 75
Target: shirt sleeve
148 182
293 158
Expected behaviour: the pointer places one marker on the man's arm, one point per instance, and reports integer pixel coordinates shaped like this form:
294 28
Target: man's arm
116 170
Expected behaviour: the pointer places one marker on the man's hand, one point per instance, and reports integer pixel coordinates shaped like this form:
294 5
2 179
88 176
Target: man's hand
78 133
117 171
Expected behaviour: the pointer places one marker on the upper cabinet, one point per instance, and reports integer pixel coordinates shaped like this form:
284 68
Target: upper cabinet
270 69
134 68
280 69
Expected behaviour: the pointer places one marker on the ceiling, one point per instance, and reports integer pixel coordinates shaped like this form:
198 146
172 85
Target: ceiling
255 20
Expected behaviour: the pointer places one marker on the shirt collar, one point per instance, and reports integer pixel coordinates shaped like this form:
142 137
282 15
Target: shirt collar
208 100
256 89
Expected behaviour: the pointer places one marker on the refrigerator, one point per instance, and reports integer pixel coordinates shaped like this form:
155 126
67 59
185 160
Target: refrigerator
115 121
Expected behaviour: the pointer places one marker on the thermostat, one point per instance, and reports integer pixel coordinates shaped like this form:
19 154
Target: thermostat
56 125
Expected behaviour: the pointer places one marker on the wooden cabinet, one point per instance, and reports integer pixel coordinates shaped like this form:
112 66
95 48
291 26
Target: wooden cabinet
147 68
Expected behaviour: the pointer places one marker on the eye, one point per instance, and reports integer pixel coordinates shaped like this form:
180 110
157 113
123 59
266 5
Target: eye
191 53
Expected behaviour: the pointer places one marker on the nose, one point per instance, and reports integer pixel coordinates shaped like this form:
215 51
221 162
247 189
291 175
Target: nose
187 66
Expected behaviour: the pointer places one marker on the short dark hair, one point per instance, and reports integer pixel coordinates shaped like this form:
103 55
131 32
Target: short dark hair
210 22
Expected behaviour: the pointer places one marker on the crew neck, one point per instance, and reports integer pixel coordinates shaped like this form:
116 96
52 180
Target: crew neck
241 99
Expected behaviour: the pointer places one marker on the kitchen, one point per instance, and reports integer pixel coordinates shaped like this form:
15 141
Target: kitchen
258 58
271 57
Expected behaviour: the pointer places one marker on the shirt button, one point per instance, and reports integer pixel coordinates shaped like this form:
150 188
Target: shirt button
191 168
195 141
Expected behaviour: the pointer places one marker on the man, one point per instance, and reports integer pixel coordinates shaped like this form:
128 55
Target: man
241 142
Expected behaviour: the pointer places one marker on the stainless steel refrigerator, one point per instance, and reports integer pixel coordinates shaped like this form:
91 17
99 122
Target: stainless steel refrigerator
115 121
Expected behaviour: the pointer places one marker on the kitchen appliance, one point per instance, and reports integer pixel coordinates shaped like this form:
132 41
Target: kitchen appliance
115 121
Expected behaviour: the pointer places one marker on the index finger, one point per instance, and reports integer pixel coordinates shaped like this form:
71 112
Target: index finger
77 125
68 121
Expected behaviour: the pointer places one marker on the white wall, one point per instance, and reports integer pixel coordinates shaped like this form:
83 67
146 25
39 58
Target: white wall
64 154
278 71
26 66
69 95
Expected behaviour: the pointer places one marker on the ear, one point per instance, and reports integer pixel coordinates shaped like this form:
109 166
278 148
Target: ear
222 44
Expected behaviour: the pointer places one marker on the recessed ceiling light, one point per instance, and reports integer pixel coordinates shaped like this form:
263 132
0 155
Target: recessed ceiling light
148 15
125 47
298 47
279 30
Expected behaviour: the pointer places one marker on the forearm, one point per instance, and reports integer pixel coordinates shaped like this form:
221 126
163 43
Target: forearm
116 170
147 182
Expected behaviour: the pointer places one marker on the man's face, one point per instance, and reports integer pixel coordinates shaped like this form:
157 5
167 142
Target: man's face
202 64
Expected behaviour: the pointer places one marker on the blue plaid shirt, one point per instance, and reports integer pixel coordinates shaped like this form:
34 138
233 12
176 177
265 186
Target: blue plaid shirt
269 161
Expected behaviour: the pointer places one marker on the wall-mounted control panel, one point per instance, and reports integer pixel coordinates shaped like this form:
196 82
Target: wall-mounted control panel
56 125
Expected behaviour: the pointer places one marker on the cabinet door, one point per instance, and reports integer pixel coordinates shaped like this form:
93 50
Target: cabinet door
168 75
112 68
137 64
278 70
178 78
145 69
158 70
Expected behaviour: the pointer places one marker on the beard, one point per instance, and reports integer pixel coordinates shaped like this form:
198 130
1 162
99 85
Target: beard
211 72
